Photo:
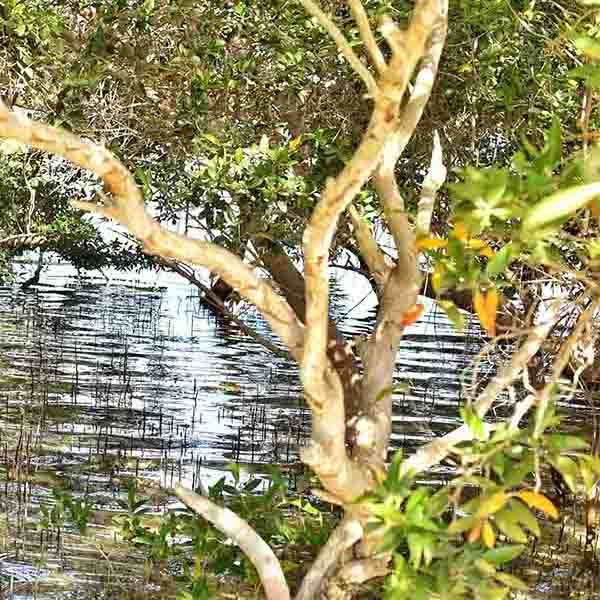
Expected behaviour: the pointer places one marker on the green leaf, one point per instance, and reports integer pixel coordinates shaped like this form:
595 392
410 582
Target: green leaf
416 542
559 205
561 442
492 504
474 423
453 313
462 524
507 524
567 467
503 554
511 581
502 259
587 45
525 516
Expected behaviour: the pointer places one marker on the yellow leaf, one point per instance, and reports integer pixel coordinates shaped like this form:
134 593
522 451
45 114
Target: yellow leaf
492 504
295 143
460 232
476 244
539 501
486 251
487 535
436 279
431 243
486 306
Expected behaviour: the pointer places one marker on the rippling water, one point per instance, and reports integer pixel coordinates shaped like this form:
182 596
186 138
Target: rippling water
100 382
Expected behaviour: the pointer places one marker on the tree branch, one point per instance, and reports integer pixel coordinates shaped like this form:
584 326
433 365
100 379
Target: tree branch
215 303
342 43
345 535
327 452
366 33
436 176
251 544
432 453
384 178
369 248
403 284
126 206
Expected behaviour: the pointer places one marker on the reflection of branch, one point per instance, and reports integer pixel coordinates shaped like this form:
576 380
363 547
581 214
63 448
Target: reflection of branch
346 534
432 453
126 205
216 304
252 545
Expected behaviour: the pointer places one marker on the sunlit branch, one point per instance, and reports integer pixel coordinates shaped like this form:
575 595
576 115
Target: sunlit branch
252 545
346 534
368 247
327 452
342 43
433 182
126 206
366 33
432 453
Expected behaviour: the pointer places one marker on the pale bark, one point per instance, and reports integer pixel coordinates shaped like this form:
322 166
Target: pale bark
346 534
126 206
254 547
369 249
436 176
434 452
327 453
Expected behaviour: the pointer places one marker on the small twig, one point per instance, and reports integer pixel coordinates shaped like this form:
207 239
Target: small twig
342 43
254 547
366 33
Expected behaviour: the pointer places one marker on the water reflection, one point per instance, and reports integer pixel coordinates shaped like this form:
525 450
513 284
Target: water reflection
102 382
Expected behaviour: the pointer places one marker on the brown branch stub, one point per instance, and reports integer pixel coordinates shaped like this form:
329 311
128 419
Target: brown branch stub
254 547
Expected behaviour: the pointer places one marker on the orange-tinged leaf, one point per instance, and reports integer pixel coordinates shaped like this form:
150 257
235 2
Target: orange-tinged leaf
539 501
595 207
431 243
488 535
412 315
474 534
486 306
486 251
460 232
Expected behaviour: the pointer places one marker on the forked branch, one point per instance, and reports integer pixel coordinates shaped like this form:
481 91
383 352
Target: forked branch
327 453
